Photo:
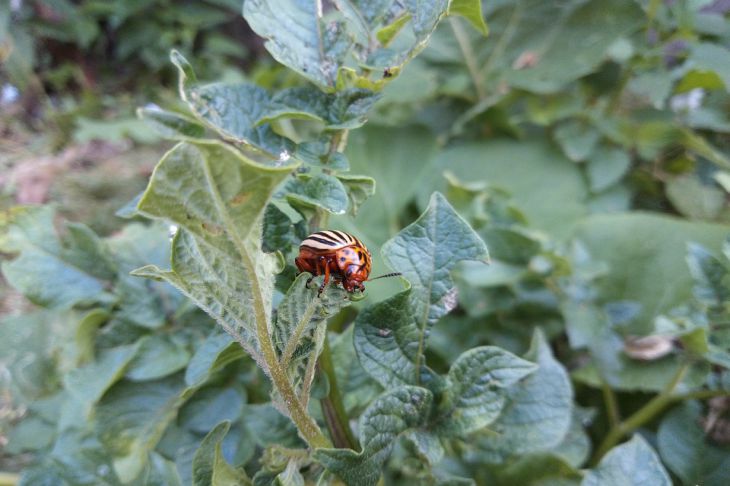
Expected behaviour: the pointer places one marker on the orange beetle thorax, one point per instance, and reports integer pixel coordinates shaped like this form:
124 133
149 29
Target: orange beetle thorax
354 264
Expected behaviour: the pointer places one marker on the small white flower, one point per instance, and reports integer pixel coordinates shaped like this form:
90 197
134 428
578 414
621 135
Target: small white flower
284 156
172 231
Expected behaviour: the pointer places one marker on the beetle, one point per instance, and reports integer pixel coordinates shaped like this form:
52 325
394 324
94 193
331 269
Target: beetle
338 255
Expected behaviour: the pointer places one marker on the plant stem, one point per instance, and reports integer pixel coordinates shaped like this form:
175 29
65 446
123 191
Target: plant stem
332 407
469 57
641 416
611 405
307 426
296 335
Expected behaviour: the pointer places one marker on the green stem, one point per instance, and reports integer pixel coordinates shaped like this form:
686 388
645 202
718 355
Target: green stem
307 426
609 397
469 57
646 413
333 409
296 335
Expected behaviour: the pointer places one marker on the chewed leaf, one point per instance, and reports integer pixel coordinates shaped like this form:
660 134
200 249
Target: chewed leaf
390 336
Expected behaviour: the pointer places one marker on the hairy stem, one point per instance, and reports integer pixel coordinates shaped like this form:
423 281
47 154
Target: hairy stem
645 414
307 426
333 409
296 335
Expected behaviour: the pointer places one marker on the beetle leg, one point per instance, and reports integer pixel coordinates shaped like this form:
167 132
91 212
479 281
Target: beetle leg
309 281
326 280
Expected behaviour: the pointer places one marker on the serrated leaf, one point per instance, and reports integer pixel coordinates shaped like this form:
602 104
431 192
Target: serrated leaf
297 36
132 417
306 193
385 419
216 197
209 466
684 447
476 389
537 414
343 110
48 272
390 336
171 125
632 463
471 10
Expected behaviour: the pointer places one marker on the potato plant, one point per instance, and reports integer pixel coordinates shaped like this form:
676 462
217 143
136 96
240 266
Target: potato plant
553 323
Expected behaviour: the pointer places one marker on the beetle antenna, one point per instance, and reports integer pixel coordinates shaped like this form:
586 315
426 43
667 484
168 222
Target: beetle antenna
394 274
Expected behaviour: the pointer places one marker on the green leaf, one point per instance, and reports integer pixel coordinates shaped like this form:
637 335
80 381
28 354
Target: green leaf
537 469
537 413
476 390
641 250
171 125
306 193
343 110
359 189
157 357
217 351
296 36
209 466
398 159
89 383
390 337
711 57
269 427
684 447
471 10
412 22
132 417
562 53
50 272
606 166
709 275
217 197
632 463
694 199
301 326
528 169
577 139
231 110
385 419
211 405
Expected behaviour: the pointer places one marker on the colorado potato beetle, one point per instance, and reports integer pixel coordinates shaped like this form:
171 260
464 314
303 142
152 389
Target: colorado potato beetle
338 255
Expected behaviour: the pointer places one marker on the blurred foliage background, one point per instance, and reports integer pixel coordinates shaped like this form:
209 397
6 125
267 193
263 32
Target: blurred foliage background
583 139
